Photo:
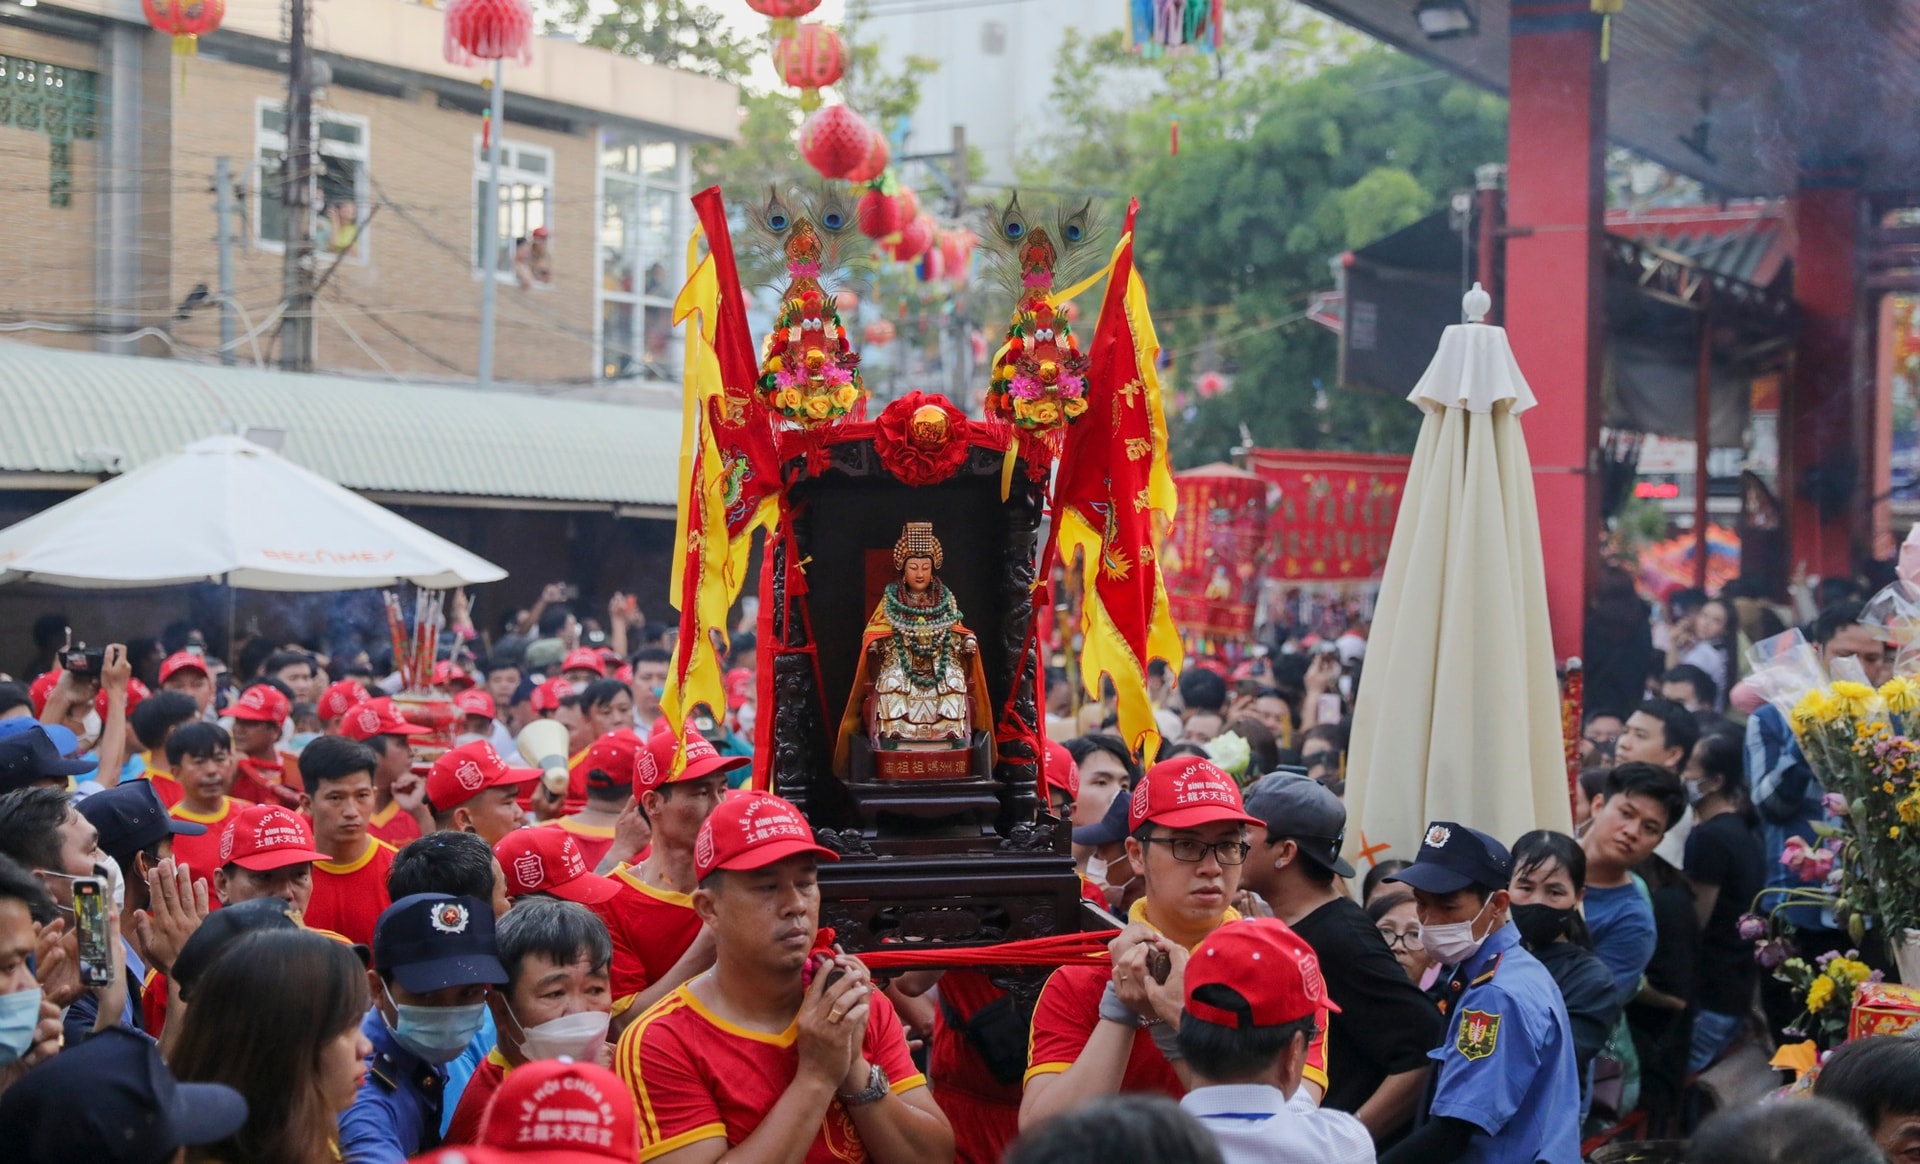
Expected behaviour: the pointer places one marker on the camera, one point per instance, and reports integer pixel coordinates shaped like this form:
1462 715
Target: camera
84 660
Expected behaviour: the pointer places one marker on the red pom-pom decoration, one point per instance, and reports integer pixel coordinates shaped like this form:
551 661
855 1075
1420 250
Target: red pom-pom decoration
834 141
812 58
915 238
921 438
489 30
186 21
875 163
879 333
783 9
879 214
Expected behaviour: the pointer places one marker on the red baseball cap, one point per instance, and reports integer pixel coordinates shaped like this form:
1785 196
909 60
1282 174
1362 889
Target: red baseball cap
620 754
475 701
548 695
1062 772
447 673
136 691
1187 792
340 698
625 673
702 759
265 836
584 659
262 703
563 1113
42 689
752 832
544 859
1255 973
183 661
460 774
377 717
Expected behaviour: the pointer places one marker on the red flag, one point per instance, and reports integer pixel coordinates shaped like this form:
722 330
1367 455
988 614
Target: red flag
742 425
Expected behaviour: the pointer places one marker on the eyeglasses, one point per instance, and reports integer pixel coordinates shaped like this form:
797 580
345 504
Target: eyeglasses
1193 851
1406 940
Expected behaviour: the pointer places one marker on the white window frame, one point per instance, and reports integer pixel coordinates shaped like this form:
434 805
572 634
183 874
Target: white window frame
678 186
511 172
265 139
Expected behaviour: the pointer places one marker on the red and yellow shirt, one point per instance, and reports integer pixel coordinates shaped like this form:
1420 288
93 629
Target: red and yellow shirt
593 841
202 853
275 781
464 1128
651 928
349 896
393 826
166 787
695 1076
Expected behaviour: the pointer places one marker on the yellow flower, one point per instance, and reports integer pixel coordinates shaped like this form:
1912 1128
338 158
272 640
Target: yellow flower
1909 808
774 364
1022 408
1855 699
788 399
1076 405
845 395
1045 412
1848 972
1820 993
820 407
1902 695
1894 832
1887 787
1815 707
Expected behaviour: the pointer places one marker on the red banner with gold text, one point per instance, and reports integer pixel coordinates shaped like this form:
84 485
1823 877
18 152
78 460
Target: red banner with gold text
1333 516
1216 551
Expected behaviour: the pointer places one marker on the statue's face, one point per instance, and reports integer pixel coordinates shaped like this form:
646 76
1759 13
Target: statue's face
918 574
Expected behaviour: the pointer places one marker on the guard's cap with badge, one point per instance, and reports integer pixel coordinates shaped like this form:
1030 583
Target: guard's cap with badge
1186 792
431 941
703 759
29 756
1304 811
1255 973
752 832
377 717
131 817
464 772
545 860
1454 857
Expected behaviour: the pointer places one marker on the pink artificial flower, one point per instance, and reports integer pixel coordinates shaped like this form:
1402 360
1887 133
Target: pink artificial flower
1025 387
1040 280
1071 387
1835 803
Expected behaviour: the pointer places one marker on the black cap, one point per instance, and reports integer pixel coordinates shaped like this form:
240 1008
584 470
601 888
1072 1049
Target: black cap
110 1100
1109 828
1304 811
221 929
132 817
431 941
1453 857
30 755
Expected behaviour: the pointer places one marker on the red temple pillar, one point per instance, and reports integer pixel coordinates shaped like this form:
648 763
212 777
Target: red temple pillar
1555 295
1824 472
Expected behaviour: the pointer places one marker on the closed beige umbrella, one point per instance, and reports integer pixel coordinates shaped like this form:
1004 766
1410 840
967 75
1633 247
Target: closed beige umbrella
1458 714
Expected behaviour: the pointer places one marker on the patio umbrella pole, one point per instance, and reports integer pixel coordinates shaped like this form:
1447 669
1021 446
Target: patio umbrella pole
1702 442
233 598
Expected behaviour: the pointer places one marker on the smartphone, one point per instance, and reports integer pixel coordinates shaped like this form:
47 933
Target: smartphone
91 901
1327 710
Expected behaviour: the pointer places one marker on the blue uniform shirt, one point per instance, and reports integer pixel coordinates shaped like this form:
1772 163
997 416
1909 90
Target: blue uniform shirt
396 1113
1507 1064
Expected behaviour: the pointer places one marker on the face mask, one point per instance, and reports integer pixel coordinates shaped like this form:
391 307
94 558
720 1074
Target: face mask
1542 925
19 1015
1097 869
116 880
578 1037
436 1033
1695 794
1453 943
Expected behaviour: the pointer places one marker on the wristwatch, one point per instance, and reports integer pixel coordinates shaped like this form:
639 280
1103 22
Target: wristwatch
876 1089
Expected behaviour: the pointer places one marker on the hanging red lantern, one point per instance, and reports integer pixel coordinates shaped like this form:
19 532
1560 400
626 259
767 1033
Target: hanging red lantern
834 140
875 163
846 303
907 205
186 21
489 30
812 58
879 214
915 238
783 9
1209 384
956 255
879 333
931 268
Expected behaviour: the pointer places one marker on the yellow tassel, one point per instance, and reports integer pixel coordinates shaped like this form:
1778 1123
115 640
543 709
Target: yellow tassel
1006 470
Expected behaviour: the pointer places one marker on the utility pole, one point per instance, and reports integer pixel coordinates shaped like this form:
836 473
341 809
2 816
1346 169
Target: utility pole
223 214
296 201
490 222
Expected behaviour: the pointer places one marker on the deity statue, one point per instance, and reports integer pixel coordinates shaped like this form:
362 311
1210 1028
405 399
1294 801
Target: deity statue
919 687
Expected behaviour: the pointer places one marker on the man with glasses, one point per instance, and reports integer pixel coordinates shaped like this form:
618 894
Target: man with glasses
1098 1030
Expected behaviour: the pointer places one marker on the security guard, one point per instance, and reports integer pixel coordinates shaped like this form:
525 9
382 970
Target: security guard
434 957
1505 1090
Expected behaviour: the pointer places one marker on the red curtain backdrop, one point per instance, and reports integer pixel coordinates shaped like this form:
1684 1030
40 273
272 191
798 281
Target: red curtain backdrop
1215 551
1333 516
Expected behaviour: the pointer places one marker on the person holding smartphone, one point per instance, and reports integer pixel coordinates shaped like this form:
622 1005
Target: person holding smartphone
41 829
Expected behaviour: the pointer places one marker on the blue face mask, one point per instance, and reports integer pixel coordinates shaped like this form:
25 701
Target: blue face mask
437 1033
19 1015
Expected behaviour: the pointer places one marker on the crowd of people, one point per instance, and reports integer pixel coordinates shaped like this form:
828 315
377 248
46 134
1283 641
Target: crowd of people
314 951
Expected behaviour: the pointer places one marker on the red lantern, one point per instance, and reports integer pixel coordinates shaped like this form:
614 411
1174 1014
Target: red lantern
834 140
489 30
879 333
812 58
186 21
915 238
846 303
956 255
879 214
875 163
783 9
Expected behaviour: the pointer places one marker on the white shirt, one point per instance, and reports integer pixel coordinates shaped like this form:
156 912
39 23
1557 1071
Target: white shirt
1255 1124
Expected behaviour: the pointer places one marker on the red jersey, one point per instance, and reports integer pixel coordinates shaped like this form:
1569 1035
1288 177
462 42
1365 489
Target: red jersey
275 781
695 1076
168 789
393 826
349 896
593 841
651 928
464 1128
984 1112
202 853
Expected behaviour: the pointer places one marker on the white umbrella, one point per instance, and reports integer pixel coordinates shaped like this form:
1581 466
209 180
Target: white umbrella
1458 715
227 510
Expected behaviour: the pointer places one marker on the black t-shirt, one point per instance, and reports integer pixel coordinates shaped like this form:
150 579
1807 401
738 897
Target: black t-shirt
1725 852
1385 1025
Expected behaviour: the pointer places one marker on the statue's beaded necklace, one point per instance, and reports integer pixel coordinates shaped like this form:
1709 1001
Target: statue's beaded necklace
920 631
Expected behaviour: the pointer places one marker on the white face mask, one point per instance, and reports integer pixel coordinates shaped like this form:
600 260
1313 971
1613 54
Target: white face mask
1453 943
574 1036
116 880
1097 869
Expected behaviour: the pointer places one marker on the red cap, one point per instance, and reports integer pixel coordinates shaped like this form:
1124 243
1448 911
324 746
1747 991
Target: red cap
475 701
1187 792
42 688
265 836
702 759
340 698
136 691
752 832
458 775
621 754
183 661
739 685
548 695
545 860
563 1113
1269 969
540 232
584 659
625 673
262 703
1062 772
377 717
447 674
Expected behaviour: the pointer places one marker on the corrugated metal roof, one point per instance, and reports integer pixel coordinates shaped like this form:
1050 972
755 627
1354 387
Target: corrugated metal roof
1747 243
367 435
